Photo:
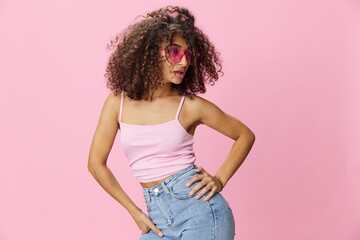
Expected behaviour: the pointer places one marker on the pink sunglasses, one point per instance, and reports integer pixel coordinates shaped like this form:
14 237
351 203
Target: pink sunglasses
176 53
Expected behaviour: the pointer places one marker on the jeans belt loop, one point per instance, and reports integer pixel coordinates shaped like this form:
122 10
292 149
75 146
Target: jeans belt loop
165 188
147 195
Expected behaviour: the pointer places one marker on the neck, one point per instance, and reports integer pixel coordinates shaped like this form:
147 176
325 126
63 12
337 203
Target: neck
163 90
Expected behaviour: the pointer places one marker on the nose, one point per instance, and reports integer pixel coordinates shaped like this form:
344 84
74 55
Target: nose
183 60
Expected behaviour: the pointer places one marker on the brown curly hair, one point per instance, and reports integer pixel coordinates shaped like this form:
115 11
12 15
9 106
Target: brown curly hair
134 67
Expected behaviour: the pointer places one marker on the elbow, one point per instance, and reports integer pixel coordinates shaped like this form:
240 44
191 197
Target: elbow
249 137
93 167
246 137
252 137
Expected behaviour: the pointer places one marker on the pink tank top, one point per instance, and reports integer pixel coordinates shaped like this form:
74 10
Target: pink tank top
156 151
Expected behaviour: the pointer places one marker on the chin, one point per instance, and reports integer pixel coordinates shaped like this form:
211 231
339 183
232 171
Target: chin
177 82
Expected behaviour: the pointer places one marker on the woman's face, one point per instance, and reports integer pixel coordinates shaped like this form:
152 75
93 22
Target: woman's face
177 58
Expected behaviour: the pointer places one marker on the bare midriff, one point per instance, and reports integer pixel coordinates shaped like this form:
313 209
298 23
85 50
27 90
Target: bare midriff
152 184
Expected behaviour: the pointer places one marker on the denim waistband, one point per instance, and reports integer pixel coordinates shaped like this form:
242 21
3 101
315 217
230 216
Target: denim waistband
162 187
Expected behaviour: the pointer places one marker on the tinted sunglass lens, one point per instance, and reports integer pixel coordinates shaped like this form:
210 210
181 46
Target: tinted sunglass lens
176 54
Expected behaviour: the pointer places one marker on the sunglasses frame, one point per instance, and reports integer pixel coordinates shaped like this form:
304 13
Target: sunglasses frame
177 57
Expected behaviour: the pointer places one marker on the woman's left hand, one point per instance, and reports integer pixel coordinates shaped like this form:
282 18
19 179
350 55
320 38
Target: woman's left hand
210 183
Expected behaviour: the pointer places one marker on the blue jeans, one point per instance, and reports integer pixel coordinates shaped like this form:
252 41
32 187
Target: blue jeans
180 216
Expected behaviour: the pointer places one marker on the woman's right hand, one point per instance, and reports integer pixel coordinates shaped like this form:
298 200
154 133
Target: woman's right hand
145 224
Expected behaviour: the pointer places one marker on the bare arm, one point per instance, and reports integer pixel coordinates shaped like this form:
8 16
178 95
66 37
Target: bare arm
99 151
212 116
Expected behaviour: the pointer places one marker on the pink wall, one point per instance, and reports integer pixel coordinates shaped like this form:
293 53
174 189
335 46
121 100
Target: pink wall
291 73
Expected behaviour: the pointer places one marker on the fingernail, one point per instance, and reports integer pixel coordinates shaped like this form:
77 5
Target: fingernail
161 234
187 184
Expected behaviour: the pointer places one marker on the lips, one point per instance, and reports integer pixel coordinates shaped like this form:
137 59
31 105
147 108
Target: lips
179 73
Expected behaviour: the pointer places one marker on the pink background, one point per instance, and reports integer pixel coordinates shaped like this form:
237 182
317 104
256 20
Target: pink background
291 74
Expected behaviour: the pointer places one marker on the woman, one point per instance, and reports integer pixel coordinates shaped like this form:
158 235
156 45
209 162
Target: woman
159 65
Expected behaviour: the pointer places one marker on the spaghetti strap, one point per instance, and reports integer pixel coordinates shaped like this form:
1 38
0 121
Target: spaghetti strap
121 106
180 105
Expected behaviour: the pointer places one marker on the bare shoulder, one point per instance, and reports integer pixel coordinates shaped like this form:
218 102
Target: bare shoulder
197 103
111 106
112 101
202 108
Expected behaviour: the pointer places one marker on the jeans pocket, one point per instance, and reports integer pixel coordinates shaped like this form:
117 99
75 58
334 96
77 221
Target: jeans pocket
179 190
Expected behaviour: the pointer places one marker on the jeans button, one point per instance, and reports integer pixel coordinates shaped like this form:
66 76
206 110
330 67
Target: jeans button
156 191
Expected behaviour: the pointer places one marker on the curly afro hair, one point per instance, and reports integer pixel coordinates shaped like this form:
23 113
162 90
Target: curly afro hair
134 66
